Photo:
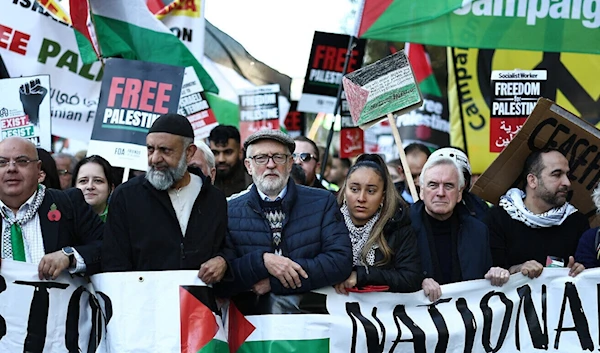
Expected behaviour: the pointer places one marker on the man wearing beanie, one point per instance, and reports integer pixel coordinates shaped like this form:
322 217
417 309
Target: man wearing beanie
171 218
283 238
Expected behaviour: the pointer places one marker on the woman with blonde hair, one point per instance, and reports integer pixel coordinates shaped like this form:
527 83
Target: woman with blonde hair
384 245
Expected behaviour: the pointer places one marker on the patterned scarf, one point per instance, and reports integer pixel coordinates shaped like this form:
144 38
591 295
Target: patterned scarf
12 237
512 202
359 237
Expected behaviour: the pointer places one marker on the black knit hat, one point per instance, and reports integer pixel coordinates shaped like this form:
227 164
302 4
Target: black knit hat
173 124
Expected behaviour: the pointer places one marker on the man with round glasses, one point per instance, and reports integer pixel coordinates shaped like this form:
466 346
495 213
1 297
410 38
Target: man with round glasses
282 237
55 229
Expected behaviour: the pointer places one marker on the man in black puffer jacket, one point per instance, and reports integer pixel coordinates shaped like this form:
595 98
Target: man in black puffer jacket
283 238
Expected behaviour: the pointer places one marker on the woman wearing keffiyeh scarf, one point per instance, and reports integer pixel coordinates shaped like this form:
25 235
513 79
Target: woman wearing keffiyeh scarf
383 243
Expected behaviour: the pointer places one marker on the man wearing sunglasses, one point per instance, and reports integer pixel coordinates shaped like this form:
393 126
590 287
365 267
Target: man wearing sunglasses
282 237
306 155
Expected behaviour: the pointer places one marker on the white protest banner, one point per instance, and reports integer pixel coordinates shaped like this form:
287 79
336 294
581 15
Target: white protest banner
194 106
35 43
386 86
25 109
173 311
166 311
554 313
259 109
46 316
514 95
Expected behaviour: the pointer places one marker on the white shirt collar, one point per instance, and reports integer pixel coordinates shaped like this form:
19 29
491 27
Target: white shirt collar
264 197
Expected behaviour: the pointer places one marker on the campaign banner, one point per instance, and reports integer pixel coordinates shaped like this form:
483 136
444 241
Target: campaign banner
25 109
194 106
134 94
36 315
35 43
548 25
570 83
325 70
259 109
386 86
514 95
553 313
173 311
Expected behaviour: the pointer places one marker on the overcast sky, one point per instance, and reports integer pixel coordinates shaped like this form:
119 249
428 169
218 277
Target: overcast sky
278 32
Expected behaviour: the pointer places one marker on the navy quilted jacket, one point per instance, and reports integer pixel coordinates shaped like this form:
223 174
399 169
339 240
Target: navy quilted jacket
314 236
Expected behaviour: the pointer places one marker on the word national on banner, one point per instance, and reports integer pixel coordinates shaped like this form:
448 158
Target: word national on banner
173 311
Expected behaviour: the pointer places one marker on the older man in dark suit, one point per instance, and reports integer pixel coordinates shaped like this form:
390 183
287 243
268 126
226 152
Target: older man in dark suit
54 228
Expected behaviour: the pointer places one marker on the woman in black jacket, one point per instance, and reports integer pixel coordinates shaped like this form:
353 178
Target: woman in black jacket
384 245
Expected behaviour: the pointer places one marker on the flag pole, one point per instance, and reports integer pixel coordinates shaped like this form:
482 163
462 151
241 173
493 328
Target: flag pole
407 174
338 105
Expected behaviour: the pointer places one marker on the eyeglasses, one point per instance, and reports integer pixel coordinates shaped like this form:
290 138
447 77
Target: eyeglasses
304 157
63 172
20 162
278 158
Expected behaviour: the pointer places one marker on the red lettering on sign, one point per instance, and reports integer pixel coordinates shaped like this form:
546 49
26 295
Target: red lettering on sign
115 90
131 96
162 97
16 43
148 95
188 5
292 121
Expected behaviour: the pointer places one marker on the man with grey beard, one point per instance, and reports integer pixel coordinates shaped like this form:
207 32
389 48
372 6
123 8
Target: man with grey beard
283 238
171 218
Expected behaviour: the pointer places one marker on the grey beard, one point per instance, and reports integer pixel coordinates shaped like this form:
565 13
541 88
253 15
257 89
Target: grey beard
163 180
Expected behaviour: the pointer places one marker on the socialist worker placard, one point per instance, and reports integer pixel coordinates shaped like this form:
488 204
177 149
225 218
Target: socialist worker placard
133 95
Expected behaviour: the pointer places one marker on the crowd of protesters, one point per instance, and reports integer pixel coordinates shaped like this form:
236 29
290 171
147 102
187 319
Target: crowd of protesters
256 215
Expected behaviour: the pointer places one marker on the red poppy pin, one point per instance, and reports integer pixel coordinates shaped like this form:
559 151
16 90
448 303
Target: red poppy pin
54 214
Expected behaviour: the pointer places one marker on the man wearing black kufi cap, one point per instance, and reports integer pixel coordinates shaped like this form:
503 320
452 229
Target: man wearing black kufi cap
171 218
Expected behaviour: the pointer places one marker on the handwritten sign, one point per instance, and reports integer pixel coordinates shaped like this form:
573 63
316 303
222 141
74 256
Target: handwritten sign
386 86
514 95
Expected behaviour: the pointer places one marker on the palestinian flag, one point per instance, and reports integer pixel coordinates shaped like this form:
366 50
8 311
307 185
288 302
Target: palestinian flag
199 328
273 324
419 60
127 29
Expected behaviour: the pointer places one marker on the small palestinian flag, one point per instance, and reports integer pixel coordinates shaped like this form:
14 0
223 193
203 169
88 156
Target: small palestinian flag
199 329
273 324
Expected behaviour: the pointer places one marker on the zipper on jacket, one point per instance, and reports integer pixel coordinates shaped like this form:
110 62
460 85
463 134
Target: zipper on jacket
182 252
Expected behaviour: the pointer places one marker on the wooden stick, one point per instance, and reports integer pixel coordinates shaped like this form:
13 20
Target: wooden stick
407 174
125 174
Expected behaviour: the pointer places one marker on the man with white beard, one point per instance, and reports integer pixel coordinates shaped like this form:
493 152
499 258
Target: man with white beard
170 219
282 237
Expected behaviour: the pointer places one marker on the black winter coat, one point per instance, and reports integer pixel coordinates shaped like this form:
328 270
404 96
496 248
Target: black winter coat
403 273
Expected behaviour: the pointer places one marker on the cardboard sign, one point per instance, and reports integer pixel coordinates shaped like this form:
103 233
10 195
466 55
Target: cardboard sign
325 69
25 109
133 95
259 109
194 106
386 86
548 126
514 95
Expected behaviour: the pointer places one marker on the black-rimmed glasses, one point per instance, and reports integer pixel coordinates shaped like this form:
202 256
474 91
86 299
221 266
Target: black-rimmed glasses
278 158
